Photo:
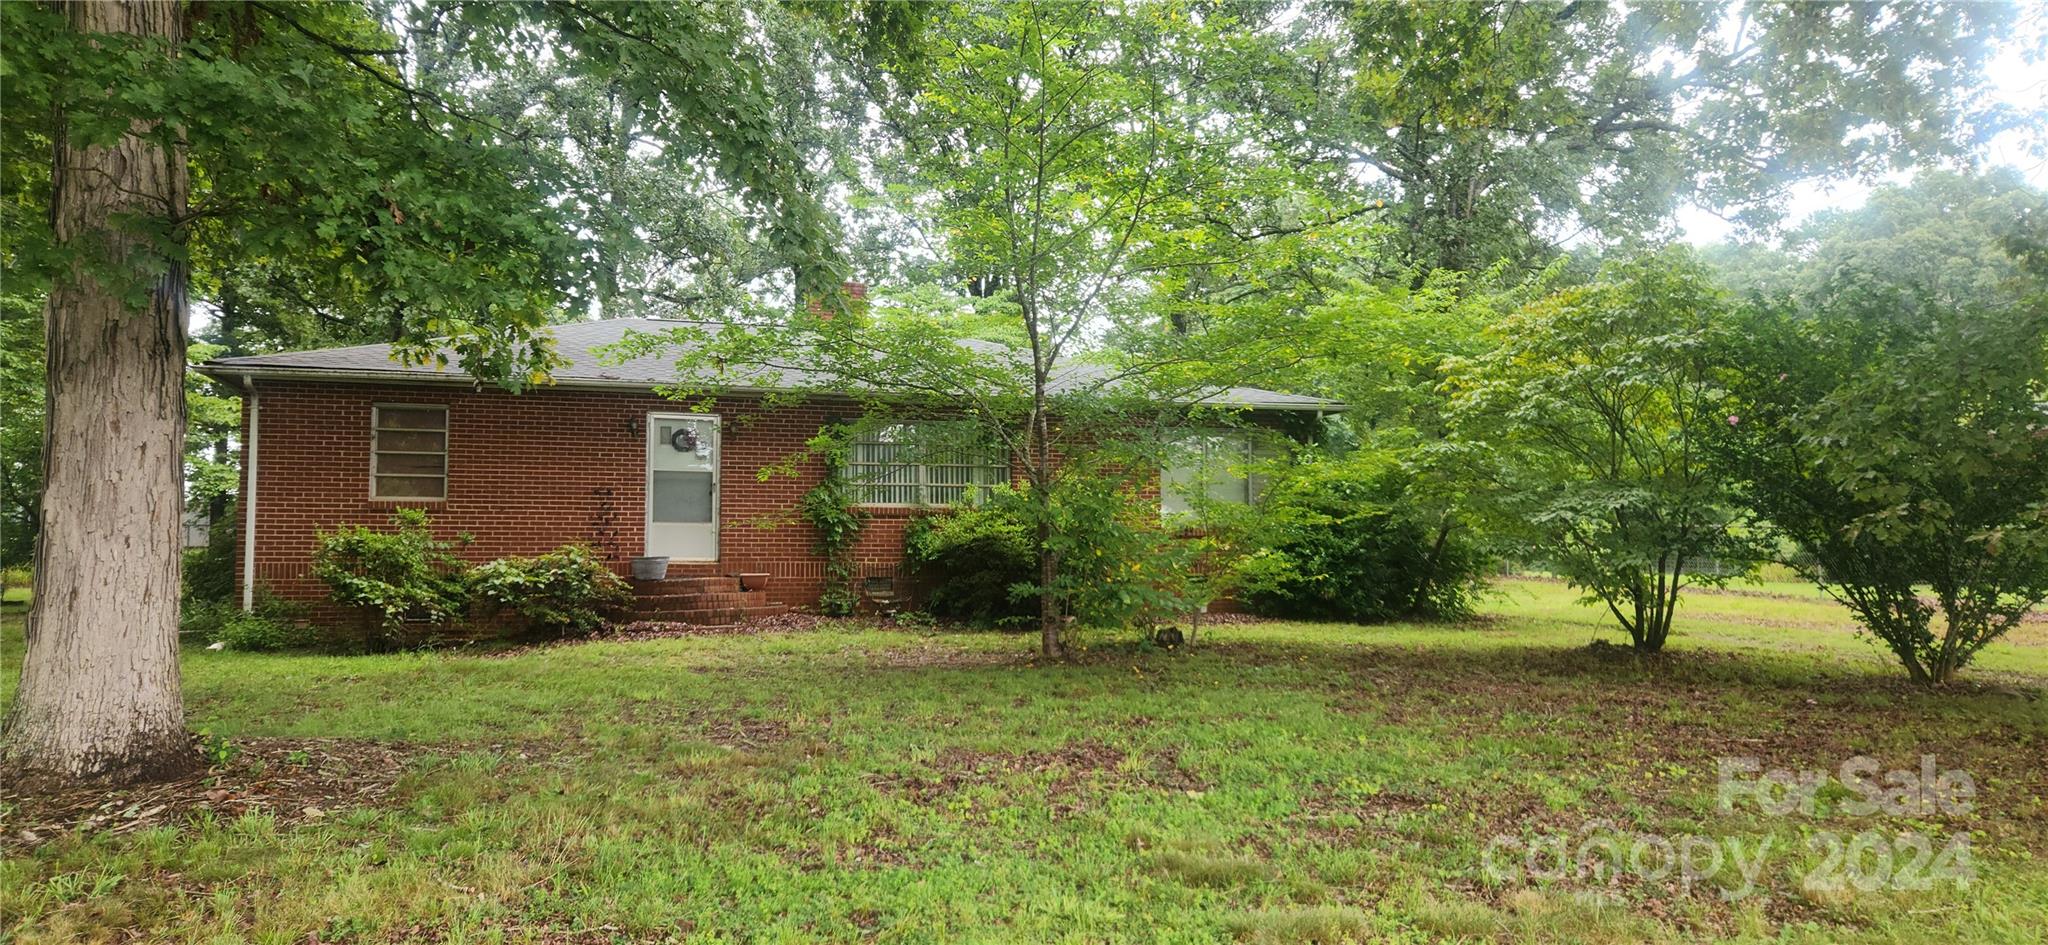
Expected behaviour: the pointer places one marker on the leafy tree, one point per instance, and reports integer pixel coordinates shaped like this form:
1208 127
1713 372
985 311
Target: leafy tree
1065 197
21 426
231 136
1901 442
670 235
1586 427
1946 234
213 419
1894 471
1500 129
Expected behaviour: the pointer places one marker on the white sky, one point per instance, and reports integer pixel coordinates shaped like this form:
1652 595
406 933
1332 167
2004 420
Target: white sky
2014 81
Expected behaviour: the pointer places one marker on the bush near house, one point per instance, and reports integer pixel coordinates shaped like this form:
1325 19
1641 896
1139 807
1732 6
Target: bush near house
567 592
1346 539
404 581
1119 565
973 560
273 625
413 588
209 572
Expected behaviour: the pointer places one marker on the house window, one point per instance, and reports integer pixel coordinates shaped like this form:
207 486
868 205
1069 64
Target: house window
1210 467
408 451
924 464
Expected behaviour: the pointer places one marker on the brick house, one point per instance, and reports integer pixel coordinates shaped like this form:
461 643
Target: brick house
346 435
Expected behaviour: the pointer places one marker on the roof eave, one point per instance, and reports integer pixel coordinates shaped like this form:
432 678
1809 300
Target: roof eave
238 375
235 374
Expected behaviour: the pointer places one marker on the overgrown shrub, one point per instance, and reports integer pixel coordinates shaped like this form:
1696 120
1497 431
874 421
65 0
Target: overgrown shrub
209 572
1344 539
396 577
274 625
973 562
1118 565
201 621
568 591
259 633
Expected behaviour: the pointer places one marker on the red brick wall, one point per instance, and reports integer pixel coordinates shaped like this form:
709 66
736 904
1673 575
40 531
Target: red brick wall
526 474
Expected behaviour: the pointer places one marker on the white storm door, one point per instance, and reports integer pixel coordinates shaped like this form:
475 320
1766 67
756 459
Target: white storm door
682 486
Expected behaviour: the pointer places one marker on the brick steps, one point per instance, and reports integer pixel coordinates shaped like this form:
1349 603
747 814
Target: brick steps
706 601
697 601
688 585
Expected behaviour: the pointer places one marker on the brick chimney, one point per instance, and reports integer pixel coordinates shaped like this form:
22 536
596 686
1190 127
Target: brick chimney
856 292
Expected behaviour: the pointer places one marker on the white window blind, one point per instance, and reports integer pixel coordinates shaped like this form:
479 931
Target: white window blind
930 463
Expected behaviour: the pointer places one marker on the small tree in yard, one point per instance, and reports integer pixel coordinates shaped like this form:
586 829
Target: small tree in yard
1903 444
1092 222
1585 428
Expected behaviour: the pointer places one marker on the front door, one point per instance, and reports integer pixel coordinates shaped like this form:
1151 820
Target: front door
682 486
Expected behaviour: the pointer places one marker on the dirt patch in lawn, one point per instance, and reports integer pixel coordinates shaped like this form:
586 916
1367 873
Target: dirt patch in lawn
1622 745
1658 726
291 779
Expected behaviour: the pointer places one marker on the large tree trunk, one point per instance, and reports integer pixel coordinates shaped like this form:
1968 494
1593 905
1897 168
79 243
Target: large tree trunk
99 697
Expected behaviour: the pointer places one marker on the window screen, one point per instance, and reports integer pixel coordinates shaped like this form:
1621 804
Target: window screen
1213 466
408 452
941 463
682 497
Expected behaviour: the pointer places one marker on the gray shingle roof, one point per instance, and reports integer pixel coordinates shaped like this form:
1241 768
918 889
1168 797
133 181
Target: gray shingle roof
579 342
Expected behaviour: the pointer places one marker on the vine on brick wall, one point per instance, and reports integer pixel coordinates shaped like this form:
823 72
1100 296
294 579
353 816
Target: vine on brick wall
830 508
604 523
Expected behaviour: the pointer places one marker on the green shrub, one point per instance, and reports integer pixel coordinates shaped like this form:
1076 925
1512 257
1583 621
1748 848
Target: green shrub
396 578
209 572
1346 539
1118 565
259 633
568 591
973 562
18 588
201 621
274 625
1898 441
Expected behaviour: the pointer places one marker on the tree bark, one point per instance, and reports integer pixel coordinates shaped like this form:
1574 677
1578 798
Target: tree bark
100 699
1050 646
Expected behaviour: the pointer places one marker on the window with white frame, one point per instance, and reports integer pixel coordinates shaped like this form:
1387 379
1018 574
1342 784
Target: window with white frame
409 451
1210 467
925 463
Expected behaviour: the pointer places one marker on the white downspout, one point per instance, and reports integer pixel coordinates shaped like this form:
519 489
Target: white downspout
249 498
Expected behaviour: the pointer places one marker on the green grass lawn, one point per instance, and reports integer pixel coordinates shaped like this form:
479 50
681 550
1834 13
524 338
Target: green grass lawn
1279 783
